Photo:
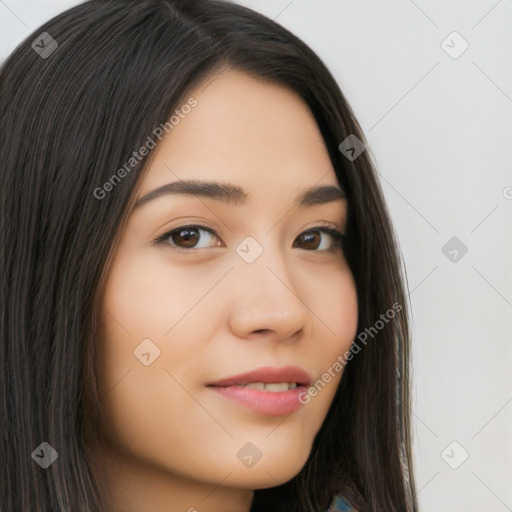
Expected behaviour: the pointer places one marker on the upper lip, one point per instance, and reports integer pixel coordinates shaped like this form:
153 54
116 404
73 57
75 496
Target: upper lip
268 374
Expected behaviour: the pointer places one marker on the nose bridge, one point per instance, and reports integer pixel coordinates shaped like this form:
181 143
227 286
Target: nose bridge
267 296
264 261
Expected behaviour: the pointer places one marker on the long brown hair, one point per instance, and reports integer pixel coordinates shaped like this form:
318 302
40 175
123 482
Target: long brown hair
72 117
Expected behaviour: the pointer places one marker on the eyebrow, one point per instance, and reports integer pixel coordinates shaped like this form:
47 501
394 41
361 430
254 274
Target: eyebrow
233 194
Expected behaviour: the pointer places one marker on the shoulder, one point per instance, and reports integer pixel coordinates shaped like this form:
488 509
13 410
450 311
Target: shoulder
340 505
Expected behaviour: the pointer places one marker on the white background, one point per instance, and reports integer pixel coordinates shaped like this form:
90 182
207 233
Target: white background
440 131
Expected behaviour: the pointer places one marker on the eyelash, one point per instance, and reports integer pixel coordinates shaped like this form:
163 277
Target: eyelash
338 237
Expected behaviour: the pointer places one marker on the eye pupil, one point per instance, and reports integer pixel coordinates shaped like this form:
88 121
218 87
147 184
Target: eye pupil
311 236
189 235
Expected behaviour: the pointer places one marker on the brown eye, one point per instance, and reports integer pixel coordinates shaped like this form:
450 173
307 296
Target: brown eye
311 240
188 237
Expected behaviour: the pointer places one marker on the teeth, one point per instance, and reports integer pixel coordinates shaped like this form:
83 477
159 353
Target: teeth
255 385
274 387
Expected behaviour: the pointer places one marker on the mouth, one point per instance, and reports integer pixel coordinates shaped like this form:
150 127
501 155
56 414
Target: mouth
272 387
267 391
268 376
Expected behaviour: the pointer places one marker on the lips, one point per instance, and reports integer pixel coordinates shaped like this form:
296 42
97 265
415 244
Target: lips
266 391
268 375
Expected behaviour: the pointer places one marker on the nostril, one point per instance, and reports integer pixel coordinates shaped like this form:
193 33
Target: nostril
262 331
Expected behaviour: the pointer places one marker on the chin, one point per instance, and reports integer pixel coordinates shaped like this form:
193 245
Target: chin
275 471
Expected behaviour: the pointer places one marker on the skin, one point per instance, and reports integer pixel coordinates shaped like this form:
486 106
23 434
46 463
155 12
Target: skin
166 441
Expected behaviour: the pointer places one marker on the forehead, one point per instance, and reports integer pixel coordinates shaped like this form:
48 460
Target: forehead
243 130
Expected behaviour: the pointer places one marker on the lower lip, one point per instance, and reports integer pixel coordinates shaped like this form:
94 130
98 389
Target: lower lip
268 403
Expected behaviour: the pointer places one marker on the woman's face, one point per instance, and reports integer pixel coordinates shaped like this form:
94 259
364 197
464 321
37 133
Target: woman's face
247 291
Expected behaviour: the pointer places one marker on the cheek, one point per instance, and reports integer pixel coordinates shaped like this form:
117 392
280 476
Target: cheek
336 316
152 307
140 304
146 317
147 297
144 308
332 303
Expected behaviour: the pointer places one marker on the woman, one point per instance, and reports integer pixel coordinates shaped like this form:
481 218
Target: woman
202 299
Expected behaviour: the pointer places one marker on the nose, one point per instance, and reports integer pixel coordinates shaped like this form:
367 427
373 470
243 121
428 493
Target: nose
268 301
